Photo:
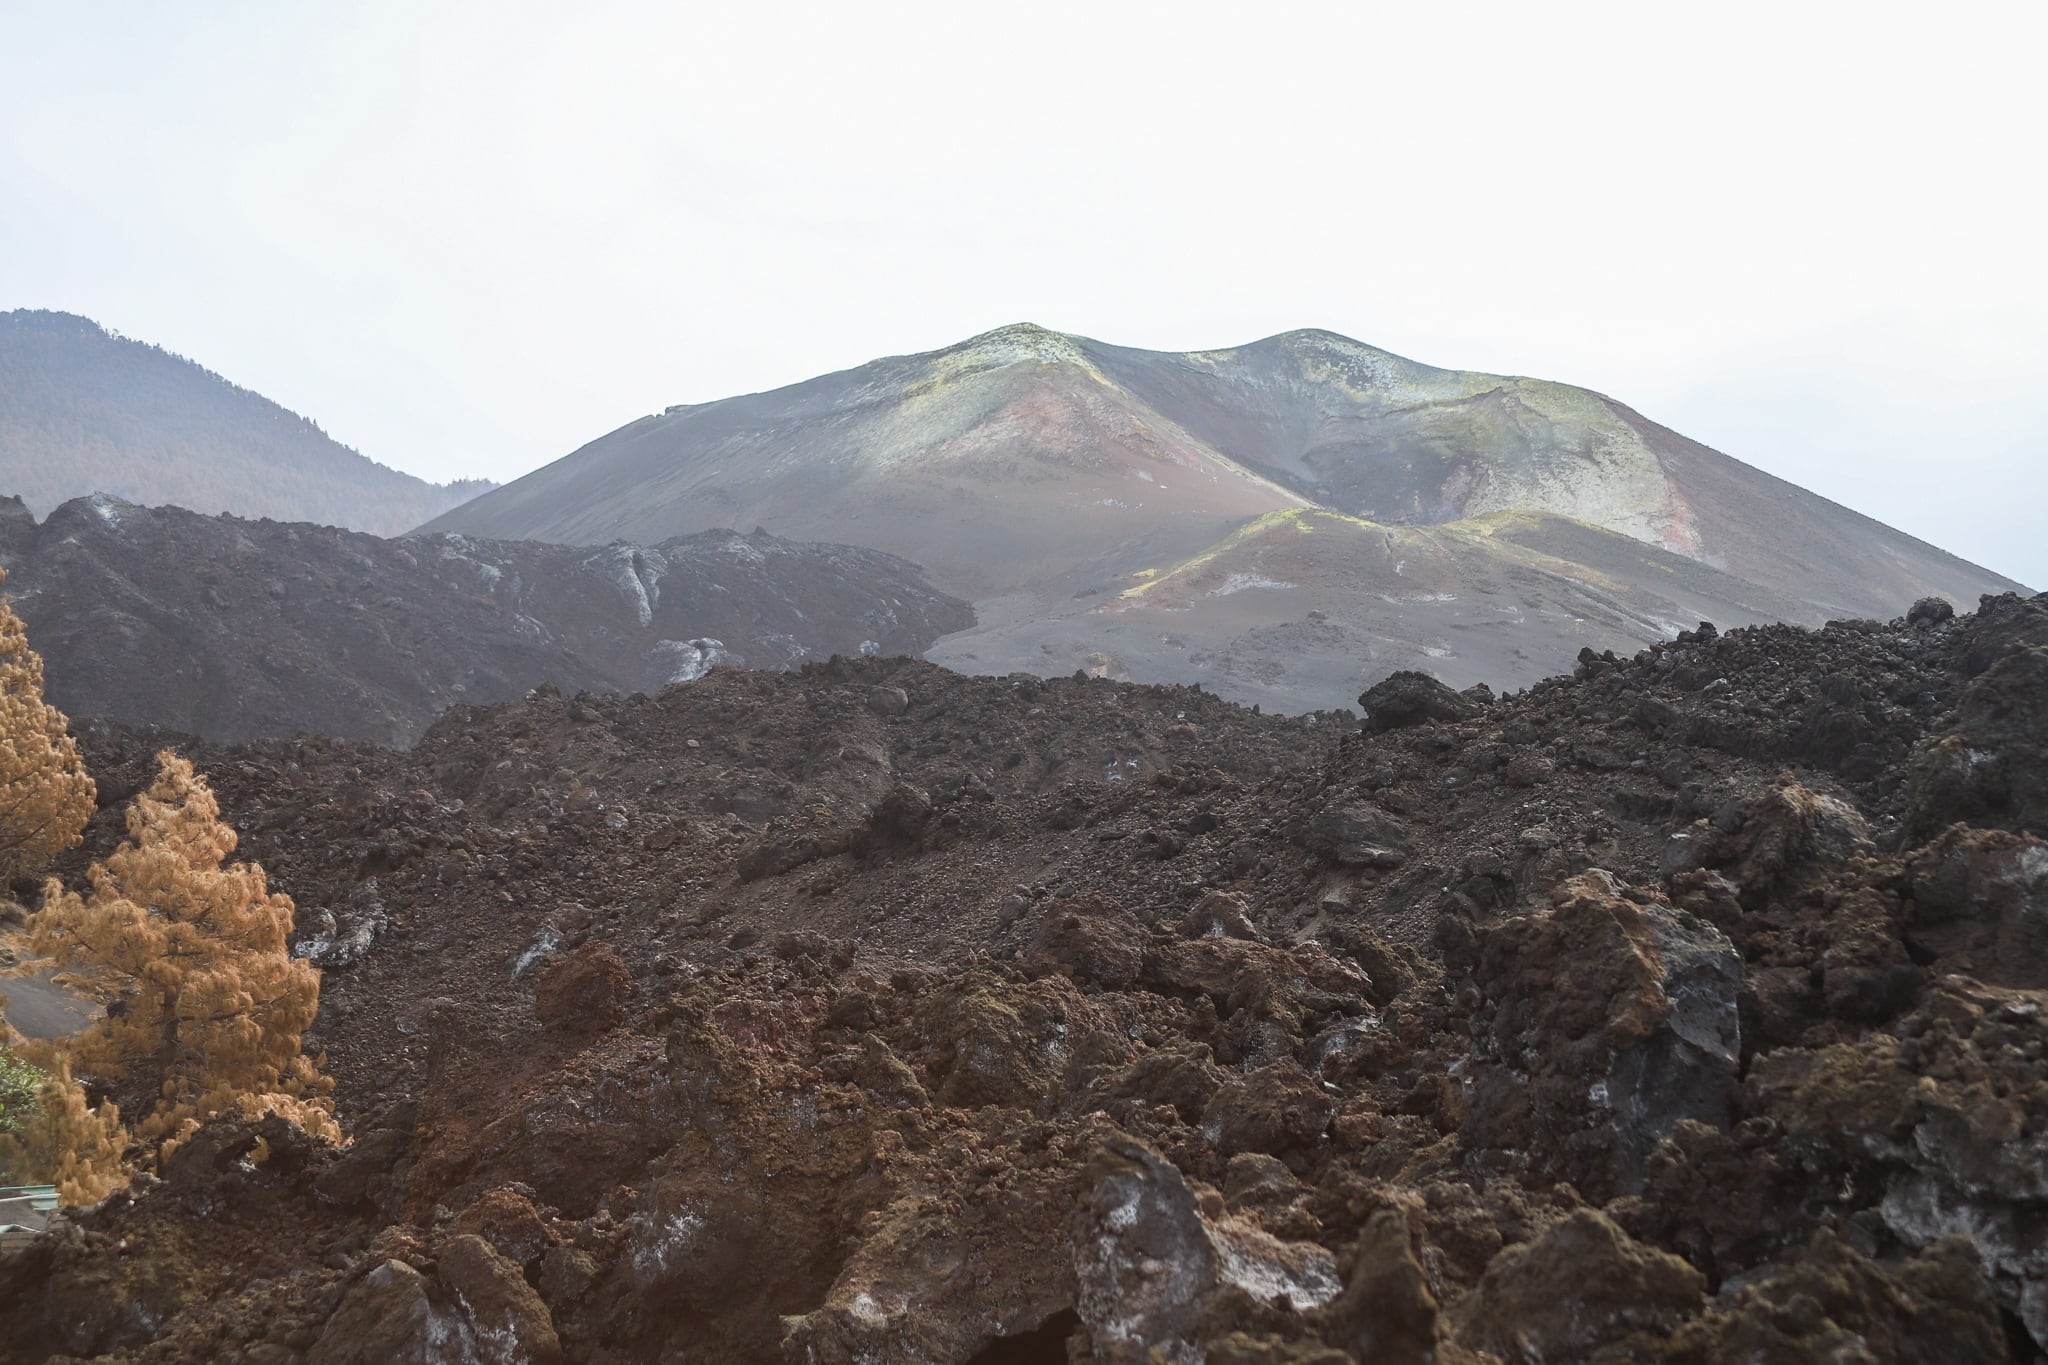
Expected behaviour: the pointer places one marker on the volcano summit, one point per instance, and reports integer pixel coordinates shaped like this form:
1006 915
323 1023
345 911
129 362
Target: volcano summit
1282 522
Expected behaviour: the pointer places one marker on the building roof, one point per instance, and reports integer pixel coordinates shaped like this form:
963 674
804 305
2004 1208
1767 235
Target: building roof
25 1210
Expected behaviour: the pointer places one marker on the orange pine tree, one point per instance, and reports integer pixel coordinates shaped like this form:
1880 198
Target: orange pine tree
214 1005
45 796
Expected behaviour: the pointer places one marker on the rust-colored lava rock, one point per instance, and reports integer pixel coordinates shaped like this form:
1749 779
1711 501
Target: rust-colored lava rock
1698 1013
586 991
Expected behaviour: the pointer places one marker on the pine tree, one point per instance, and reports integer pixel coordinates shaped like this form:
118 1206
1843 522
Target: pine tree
214 1004
45 796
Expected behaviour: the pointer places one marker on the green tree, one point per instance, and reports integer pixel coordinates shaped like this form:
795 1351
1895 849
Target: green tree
58 1138
20 1084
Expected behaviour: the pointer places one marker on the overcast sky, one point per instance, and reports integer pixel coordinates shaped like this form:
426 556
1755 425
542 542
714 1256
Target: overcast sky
466 238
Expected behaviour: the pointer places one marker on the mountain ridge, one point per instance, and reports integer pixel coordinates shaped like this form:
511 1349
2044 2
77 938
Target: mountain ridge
85 409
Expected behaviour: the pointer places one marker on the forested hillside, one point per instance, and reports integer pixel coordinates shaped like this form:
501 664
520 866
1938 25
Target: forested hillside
83 410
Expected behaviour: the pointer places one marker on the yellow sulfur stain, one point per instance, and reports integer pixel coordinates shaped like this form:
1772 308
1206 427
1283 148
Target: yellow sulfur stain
1300 519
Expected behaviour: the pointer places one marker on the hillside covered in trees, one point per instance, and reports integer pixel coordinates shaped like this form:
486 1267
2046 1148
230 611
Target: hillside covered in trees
84 410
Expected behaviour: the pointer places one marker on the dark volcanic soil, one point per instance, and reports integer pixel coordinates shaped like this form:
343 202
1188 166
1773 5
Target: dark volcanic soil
1686 1010
238 629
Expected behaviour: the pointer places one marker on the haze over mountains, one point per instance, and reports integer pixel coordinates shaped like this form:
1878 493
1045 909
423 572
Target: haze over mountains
1284 521
83 410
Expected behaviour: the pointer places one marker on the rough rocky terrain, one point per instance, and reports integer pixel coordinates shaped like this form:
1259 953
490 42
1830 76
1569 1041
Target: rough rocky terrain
234 629
1686 1009
1060 484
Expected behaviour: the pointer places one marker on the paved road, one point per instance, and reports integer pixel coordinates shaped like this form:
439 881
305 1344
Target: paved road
40 1008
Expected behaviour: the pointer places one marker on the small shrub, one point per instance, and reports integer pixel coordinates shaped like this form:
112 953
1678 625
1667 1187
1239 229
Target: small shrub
20 1085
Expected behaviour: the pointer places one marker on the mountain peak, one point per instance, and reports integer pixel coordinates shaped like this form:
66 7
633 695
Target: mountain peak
84 409
1022 341
1322 336
1327 345
1022 332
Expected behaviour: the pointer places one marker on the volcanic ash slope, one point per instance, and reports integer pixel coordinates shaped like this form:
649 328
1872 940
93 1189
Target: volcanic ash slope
1046 476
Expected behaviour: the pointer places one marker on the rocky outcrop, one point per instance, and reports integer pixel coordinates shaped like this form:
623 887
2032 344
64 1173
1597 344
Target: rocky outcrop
1942 1116
506 1318
1991 768
1408 698
388 1316
586 990
1153 1274
1835 1303
1359 834
1610 1019
1584 1290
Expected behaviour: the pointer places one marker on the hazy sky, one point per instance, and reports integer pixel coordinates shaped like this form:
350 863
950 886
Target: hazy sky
466 238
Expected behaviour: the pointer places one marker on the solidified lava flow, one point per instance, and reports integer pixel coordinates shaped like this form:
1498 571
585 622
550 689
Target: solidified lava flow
1689 1008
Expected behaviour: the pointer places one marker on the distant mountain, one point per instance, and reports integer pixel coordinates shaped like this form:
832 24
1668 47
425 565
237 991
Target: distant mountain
1480 526
238 629
83 411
